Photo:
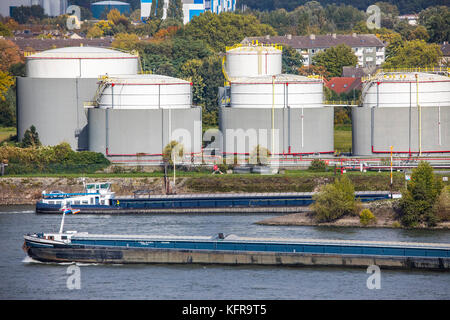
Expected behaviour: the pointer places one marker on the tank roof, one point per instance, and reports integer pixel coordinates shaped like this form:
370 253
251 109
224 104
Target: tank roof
120 3
408 77
81 52
145 79
253 49
280 78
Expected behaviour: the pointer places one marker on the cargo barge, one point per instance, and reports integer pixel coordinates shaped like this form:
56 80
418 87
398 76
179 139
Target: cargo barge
72 246
98 199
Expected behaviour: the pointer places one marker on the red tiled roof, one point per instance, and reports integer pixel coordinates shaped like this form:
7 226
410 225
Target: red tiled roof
343 84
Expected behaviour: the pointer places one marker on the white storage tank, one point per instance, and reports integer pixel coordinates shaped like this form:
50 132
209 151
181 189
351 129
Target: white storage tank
396 89
80 62
144 91
253 60
284 90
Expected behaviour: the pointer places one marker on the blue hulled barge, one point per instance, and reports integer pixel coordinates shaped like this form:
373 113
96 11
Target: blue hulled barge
98 198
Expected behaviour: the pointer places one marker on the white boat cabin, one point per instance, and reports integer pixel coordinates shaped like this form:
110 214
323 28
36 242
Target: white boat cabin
94 194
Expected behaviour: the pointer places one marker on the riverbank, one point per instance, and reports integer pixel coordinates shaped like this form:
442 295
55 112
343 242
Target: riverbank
27 190
385 212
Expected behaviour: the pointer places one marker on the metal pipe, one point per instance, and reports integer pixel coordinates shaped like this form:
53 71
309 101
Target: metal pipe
410 105
273 114
419 111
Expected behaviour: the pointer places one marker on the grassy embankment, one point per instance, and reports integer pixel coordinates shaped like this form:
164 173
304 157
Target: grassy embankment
343 138
6 133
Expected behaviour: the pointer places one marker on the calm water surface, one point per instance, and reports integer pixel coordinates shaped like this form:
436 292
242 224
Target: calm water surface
21 278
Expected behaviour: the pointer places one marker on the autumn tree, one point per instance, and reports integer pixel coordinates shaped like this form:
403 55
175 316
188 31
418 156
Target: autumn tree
415 53
125 41
334 58
9 54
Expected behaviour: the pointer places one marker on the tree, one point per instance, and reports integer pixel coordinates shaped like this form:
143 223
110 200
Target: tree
24 14
260 156
4 31
173 151
9 54
334 58
291 60
419 198
175 10
95 32
31 138
437 22
225 29
335 201
6 81
125 41
415 53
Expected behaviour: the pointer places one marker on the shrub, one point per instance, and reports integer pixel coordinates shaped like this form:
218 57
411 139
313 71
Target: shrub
366 217
418 202
318 165
335 200
259 156
442 206
171 149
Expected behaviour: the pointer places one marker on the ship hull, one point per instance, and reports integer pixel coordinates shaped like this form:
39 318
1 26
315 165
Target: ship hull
218 257
165 256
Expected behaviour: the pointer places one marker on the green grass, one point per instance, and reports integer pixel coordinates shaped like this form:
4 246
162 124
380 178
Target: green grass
6 133
343 138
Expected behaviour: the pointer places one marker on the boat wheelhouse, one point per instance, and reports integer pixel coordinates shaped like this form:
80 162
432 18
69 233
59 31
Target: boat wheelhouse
94 195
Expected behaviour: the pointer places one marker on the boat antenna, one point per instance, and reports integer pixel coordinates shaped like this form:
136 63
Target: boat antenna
64 209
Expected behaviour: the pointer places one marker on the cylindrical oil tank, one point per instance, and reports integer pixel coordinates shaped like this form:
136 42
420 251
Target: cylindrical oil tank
279 91
80 62
253 60
398 89
145 91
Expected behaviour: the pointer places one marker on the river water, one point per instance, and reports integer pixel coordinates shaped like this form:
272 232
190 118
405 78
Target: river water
22 278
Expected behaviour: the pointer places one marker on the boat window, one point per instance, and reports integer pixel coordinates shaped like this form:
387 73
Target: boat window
90 186
51 202
85 202
91 200
104 186
76 202
64 237
102 201
58 202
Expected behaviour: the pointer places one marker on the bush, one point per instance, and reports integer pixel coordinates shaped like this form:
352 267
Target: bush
418 202
442 206
318 165
366 217
56 159
335 201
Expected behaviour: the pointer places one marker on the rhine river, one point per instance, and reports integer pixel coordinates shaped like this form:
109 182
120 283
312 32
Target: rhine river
22 278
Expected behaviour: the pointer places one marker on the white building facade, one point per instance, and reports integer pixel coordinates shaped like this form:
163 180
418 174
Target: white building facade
191 8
